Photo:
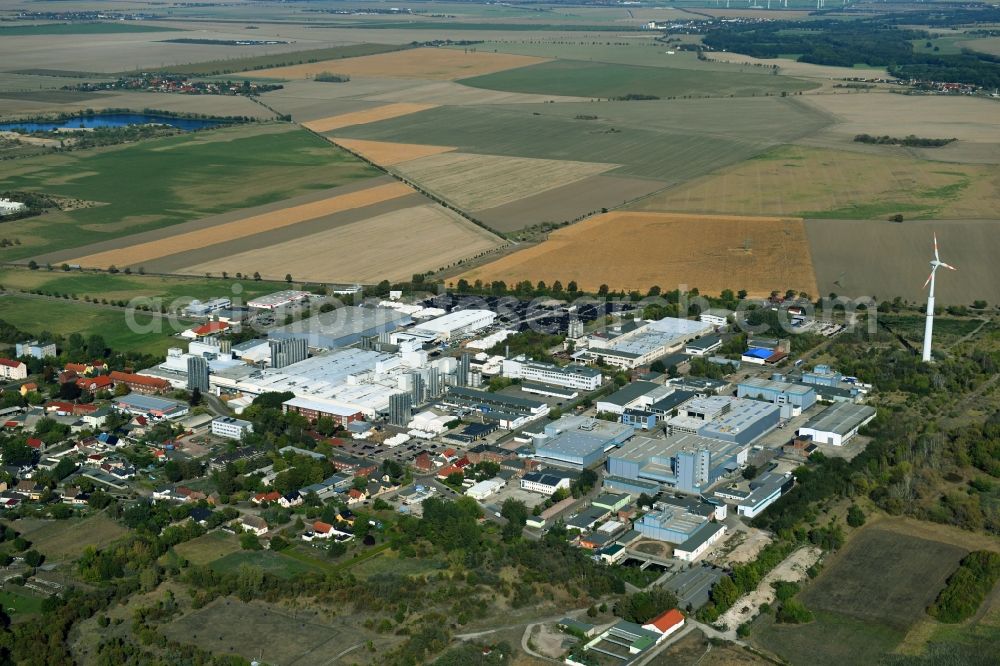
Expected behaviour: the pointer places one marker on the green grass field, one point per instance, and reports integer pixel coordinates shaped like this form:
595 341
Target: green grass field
912 326
865 600
606 80
17 604
277 564
214 67
668 140
208 547
79 29
388 562
119 286
165 181
38 315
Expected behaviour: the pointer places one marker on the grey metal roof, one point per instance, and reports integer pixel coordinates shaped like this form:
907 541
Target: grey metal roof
629 393
841 418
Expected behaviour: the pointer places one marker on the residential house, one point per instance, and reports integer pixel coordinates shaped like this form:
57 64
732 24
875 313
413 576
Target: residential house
293 498
15 370
266 498
253 524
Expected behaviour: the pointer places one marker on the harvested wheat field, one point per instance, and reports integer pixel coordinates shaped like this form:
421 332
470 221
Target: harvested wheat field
475 182
137 254
817 182
425 63
392 246
638 250
387 153
366 116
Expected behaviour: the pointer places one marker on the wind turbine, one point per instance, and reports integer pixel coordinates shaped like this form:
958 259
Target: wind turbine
929 326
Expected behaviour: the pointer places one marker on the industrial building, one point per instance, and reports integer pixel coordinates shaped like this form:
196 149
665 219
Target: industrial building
701 386
230 428
579 441
753 497
150 406
285 352
837 424
735 420
509 412
792 398
703 346
645 342
544 483
317 408
198 308
484 489
197 373
715 317
278 299
574 375
9 207
342 327
638 395
400 409
686 462
454 325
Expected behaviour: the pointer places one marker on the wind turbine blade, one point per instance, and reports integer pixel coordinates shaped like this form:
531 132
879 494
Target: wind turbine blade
948 266
936 257
928 279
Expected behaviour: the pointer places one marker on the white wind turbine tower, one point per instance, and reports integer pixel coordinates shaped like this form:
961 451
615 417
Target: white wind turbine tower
929 326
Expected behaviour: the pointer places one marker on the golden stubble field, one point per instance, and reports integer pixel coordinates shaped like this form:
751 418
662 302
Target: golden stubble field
423 63
477 182
365 116
387 153
392 246
638 250
819 182
136 255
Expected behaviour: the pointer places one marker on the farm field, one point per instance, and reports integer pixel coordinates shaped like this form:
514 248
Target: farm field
139 254
263 631
628 133
271 60
639 250
388 154
37 314
817 182
384 112
119 286
866 598
65 540
453 93
606 80
640 50
474 182
95 28
44 101
426 63
393 246
161 182
974 122
850 258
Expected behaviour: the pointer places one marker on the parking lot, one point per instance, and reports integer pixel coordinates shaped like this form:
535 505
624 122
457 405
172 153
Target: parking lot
513 491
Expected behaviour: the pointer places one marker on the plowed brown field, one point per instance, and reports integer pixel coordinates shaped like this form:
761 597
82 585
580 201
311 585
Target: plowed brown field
367 116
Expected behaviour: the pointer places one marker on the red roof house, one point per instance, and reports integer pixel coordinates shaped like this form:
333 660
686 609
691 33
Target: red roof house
666 623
